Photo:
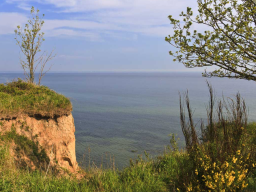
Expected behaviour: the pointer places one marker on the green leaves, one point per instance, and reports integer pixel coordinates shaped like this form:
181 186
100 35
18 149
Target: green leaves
229 42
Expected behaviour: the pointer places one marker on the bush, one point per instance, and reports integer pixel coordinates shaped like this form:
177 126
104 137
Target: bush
222 157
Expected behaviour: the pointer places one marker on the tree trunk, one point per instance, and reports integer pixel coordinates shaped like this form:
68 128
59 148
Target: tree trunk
31 79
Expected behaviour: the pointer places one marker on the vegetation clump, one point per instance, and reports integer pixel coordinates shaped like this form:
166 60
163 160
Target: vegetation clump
223 157
28 153
19 97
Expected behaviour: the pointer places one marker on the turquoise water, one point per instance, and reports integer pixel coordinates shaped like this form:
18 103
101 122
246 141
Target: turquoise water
124 114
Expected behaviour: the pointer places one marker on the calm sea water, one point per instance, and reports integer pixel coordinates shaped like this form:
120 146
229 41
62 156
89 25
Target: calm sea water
124 114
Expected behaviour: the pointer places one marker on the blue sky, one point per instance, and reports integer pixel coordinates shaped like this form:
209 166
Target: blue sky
96 35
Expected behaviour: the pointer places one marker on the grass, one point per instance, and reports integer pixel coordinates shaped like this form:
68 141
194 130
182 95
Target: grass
174 169
142 175
19 97
221 158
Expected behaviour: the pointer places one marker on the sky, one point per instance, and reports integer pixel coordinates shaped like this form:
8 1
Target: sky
96 35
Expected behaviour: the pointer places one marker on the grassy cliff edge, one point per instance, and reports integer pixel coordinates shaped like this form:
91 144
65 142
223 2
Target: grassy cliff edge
19 97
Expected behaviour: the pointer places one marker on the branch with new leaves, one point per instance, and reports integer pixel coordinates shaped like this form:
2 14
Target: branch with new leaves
228 41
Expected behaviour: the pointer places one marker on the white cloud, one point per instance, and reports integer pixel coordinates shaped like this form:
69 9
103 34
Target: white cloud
78 24
84 5
72 57
104 28
145 17
118 35
24 6
10 21
72 33
127 50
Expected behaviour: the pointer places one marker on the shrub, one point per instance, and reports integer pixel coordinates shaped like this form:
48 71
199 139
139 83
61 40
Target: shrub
222 157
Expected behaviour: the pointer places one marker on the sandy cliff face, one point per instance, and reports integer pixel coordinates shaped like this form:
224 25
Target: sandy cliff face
55 135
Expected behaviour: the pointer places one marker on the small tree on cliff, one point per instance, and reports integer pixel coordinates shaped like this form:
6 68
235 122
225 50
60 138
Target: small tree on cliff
229 41
30 40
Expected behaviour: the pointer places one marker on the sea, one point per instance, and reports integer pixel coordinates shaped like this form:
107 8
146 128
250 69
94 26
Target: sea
120 116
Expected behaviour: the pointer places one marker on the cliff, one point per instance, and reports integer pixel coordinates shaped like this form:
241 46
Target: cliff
55 135
40 124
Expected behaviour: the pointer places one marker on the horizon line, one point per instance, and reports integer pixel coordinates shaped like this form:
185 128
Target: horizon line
108 72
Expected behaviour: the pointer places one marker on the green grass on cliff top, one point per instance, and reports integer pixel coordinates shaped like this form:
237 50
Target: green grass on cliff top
19 97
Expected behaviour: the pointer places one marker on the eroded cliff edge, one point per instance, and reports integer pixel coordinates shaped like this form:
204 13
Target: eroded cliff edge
55 135
39 123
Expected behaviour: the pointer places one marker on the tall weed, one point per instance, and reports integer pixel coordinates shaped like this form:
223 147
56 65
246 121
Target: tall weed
221 157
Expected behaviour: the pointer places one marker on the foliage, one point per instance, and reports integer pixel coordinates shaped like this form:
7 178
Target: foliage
223 158
142 175
22 97
30 44
230 175
24 146
228 41
172 171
